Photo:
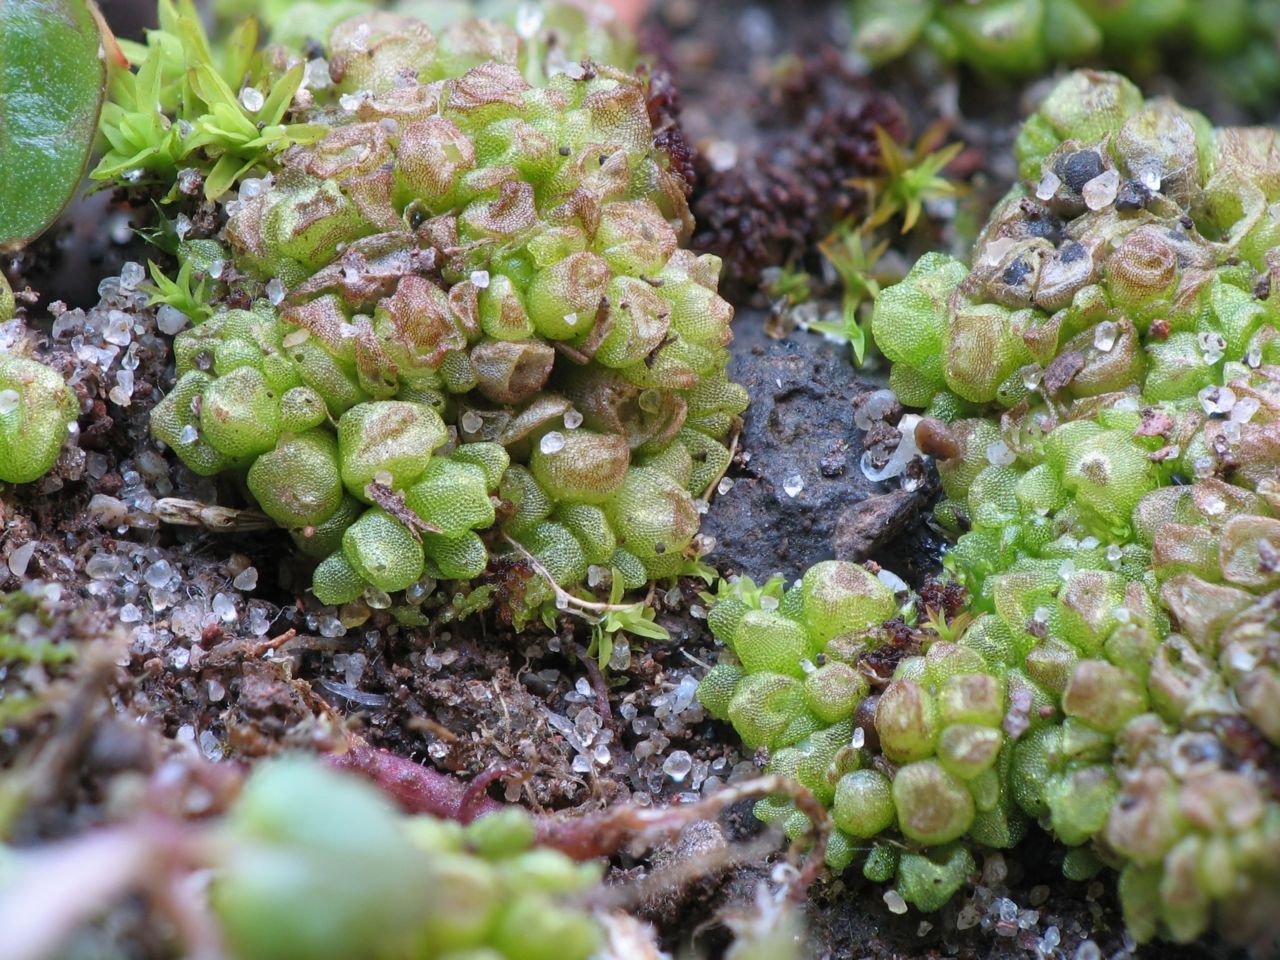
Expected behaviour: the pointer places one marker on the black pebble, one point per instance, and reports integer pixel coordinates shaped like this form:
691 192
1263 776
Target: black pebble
1077 169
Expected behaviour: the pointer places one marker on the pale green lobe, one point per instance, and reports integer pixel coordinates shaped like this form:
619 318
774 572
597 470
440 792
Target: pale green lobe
36 410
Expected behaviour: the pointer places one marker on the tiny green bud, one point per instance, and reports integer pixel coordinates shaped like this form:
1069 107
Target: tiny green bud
928 882
863 803
298 483
388 441
835 690
906 721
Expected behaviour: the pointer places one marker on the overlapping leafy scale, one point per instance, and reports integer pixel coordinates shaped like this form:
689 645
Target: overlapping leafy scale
464 305
1109 371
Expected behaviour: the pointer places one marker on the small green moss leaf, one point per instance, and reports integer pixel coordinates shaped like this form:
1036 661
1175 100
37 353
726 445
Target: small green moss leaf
52 78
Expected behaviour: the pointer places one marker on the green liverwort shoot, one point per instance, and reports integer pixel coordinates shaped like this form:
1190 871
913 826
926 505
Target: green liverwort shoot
911 179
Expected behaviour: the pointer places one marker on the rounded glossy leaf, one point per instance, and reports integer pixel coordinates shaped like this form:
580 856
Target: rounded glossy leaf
52 78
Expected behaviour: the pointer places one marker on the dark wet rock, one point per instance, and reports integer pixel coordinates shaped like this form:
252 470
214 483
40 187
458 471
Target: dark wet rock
800 425
863 527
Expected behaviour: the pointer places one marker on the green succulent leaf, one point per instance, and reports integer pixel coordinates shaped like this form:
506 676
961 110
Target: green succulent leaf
53 75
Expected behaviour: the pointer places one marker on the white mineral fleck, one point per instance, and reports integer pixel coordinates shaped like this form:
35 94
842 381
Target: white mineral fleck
552 442
252 99
131 274
528 19
315 75
874 408
122 393
1212 346
1101 190
224 607
210 745
21 558
330 627
171 320
1215 400
904 454
678 765
995 251
722 155
1000 454
892 580
118 329
158 574
1104 336
893 900
1048 186
1244 409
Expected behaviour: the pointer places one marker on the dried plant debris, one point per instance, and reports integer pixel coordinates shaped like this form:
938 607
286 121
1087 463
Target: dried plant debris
769 204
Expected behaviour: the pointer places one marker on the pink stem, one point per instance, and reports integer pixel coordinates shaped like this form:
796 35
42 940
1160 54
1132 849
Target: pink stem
417 789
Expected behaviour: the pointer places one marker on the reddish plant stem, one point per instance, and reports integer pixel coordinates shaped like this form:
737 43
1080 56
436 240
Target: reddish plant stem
417 789
420 789
474 799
